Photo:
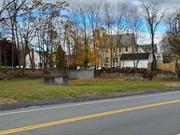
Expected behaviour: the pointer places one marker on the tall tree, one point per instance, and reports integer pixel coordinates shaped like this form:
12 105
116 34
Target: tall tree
171 41
153 15
13 11
120 15
3 6
94 17
108 21
50 18
84 22
60 59
26 30
134 23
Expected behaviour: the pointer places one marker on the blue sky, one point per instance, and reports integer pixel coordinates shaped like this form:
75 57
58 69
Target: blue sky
162 28
144 38
170 5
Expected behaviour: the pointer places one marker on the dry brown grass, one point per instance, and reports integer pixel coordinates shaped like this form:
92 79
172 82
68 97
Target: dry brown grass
7 101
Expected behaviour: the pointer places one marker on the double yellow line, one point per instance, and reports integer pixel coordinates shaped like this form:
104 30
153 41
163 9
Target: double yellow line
85 117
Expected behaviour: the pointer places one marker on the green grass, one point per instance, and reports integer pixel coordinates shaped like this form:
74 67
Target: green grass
23 90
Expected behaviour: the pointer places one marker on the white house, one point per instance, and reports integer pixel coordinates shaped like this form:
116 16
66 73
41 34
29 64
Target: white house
139 60
35 56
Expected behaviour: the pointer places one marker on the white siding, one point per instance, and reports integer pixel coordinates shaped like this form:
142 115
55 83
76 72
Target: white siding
130 63
36 60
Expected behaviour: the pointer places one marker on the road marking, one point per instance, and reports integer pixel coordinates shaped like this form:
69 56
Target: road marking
79 104
65 106
85 117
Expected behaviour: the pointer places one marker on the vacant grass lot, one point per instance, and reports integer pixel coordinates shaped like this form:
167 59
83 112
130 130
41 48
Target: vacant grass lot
23 90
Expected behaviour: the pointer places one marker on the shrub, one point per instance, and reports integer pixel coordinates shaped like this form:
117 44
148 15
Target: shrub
122 70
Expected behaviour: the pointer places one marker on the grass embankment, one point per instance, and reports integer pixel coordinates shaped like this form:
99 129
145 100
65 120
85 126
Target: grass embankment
24 90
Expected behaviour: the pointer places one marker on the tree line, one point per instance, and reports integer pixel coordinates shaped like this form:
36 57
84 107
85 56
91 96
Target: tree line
69 36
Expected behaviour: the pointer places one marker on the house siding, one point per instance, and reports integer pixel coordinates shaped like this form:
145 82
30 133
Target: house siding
130 63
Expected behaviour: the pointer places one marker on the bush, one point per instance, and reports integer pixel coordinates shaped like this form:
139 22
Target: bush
145 72
148 74
122 70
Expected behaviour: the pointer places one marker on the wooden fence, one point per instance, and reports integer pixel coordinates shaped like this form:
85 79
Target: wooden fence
169 67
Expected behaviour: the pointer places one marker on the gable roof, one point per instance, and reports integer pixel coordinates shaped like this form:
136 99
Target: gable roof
123 39
135 56
148 47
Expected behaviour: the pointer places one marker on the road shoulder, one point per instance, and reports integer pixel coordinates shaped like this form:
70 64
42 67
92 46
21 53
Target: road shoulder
81 99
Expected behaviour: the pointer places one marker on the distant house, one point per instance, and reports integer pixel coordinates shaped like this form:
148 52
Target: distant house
122 44
127 53
123 51
148 49
37 60
139 60
126 42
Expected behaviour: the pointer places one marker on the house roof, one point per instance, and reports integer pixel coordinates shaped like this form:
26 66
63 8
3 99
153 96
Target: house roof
135 56
123 39
148 47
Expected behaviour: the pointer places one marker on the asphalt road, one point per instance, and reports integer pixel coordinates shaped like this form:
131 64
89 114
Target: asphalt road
156 114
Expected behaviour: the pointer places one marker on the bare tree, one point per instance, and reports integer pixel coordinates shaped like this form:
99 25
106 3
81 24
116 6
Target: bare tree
26 20
94 15
13 11
3 6
84 25
26 30
67 40
108 22
171 41
120 14
74 19
153 14
134 23
47 29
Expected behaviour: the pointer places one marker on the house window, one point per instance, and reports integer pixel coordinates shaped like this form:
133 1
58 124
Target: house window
106 64
107 50
149 50
113 60
114 50
126 49
116 60
107 60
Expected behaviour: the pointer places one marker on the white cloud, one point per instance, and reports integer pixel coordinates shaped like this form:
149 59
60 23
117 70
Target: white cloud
168 5
171 4
144 38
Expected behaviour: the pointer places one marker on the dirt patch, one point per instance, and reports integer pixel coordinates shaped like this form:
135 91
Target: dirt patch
7 101
9 74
